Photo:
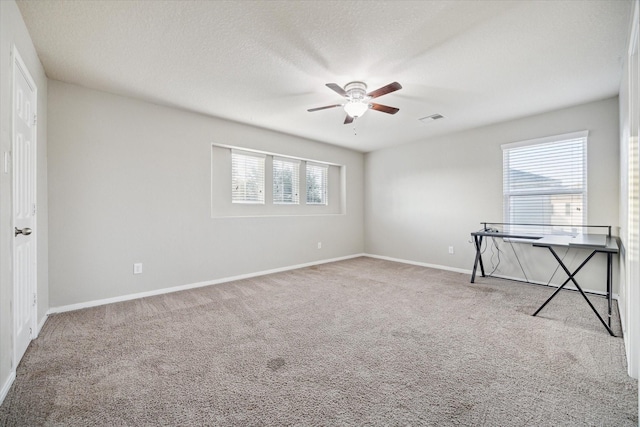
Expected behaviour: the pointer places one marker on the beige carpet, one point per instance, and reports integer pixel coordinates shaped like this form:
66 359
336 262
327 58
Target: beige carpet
357 342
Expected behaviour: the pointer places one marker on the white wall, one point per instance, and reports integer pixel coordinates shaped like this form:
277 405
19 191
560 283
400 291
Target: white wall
422 198
130 182
14 32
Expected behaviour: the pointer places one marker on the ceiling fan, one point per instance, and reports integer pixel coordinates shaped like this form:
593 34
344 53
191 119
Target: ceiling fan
358 99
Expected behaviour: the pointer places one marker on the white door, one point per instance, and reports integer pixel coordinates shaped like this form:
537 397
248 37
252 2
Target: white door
24 207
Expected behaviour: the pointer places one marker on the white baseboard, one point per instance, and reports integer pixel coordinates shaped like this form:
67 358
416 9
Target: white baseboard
129 297
464 271
7 385
41 324
623 322
421 264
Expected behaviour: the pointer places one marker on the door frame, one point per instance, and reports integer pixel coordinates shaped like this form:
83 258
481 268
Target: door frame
18 65
632 286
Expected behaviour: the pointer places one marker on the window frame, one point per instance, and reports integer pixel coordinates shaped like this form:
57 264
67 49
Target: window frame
278 198
509 193
261 180
222 206
324 199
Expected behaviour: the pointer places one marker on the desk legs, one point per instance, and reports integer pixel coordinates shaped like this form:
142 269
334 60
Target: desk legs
572 279
609 284
478 243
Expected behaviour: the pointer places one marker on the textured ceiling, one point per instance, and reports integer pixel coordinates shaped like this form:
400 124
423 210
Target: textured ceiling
266 62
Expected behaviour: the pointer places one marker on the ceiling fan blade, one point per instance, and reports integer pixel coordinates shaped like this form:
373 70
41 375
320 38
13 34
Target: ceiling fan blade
348 120
384 108
391 87
324 108
337 89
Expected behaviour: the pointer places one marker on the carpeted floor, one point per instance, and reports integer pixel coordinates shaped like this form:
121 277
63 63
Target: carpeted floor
356 342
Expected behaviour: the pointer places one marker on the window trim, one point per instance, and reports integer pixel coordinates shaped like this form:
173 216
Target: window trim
222 207
263 187
274 154
295 184
584 135
325 194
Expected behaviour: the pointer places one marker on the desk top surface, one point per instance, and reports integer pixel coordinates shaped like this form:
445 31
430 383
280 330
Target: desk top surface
596 242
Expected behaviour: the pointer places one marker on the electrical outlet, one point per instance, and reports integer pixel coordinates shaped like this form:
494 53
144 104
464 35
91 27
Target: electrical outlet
137 268
319 245
451 250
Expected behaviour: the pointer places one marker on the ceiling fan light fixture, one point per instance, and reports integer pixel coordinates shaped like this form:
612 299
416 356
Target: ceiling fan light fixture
358 99
356 108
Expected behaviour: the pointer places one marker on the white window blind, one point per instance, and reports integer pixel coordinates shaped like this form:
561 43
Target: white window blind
247 177
286 181
317 183
545 182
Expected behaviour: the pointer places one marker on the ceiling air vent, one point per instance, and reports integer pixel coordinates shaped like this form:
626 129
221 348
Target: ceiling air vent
431 118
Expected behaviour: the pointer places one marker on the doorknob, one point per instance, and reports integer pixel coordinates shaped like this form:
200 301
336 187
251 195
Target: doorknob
25 231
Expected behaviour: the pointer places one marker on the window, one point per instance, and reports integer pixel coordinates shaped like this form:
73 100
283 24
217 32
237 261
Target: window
264 184
316 184
545 182
247 177
286 181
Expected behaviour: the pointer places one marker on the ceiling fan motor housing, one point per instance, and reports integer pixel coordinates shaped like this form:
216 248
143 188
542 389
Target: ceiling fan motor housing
356 91
358 100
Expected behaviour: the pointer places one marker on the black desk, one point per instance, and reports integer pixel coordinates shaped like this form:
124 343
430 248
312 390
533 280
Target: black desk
608 247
